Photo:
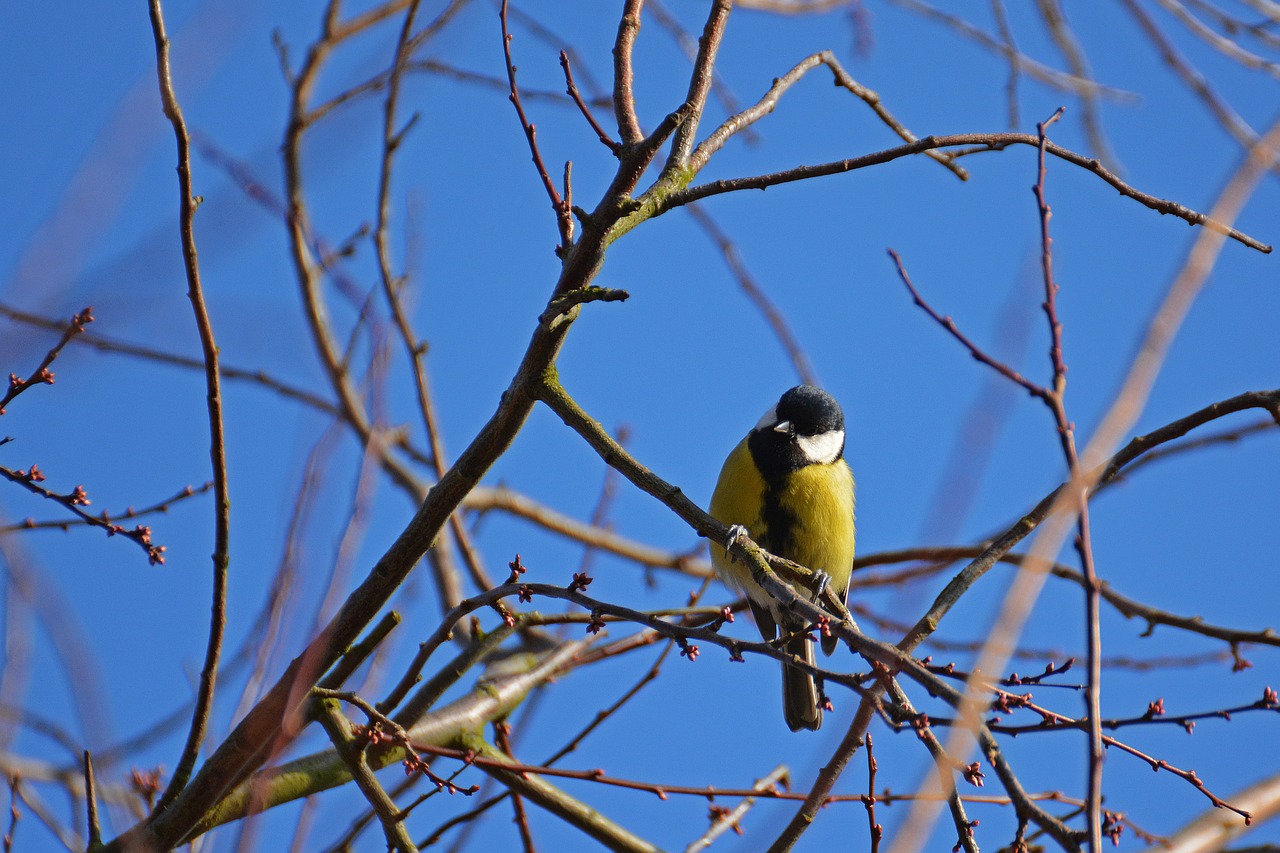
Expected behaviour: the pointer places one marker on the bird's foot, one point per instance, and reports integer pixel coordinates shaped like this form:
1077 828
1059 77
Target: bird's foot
736 534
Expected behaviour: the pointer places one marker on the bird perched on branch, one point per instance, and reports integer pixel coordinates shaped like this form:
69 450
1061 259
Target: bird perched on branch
788 484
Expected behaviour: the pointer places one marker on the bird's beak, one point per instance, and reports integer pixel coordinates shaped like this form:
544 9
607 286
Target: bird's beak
784 427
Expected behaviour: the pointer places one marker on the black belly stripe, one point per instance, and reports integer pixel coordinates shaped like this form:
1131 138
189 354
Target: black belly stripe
779 522
776 456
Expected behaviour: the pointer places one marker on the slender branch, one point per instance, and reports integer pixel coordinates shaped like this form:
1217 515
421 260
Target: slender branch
1238 26
42 375
1049 76
945 766
624 96
488 498
975 351
110 345
1060 32
699 84
1226 116
1125 606
1010 49
360 652
502 739
91 803
1226 46
521 781
74 500
108 517
351 749
1210 832
572 89
749 286
564 219
393 285
985 142
1084 539
874 830
705 792
689 47
746 118
1230 436
723 819
217 439
14 813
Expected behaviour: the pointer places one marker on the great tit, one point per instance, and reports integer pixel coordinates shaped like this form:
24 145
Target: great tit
788 484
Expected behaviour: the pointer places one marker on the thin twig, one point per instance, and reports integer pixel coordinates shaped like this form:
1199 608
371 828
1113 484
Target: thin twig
1060 32
1037 70
106 344
572 89
15 814
1237 26
1209 831
502 740
769 101
1226 46
699 84
564 221
91 802
689 47
946 767
217 439
351 747
393 285
747 283
724 820
77 498
1226 115
108 517
604 502
489 498
874 830
985 142
1011 54
42 375
975 351
624 96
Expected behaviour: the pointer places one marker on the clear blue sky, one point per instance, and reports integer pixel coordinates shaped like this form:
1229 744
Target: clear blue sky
686 364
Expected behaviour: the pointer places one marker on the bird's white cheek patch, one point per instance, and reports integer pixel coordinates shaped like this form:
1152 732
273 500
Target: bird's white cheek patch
822 449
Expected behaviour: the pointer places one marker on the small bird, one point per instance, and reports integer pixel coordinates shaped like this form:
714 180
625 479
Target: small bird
788 484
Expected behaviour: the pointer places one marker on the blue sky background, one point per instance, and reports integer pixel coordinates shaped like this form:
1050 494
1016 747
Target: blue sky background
687 365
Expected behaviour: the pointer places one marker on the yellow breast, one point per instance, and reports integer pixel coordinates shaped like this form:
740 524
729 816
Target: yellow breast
818 501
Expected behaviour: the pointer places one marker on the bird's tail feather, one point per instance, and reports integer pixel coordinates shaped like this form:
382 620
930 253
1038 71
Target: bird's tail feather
799 693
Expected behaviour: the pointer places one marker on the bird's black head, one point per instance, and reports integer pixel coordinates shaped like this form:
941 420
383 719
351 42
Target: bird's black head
806 427
810 410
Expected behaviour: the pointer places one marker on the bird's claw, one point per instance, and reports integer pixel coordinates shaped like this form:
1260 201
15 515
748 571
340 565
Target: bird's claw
821 580
736 534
